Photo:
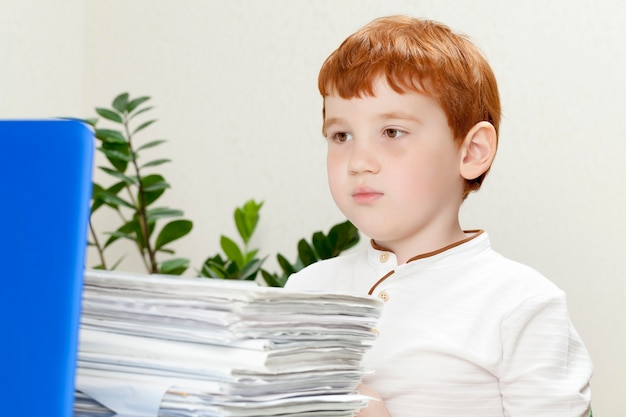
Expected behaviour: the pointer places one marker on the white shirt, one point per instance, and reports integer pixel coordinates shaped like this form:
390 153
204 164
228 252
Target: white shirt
464 332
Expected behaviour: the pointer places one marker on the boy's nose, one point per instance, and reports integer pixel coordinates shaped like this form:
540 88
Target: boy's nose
363 159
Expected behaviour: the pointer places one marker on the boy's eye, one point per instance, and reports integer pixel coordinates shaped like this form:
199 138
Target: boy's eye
393 133
340 137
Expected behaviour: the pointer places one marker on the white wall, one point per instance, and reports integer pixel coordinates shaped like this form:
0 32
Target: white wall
235 88
41 58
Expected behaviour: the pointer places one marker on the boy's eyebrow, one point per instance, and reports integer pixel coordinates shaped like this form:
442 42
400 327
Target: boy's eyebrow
385 116
399 115
329 122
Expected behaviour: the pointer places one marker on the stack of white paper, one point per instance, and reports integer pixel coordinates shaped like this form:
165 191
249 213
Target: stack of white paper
172 346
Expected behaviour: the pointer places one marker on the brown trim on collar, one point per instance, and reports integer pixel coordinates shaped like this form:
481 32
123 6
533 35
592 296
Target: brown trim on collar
445 248
476 233
387 275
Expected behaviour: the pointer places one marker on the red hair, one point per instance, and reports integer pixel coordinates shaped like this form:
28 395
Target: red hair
420 56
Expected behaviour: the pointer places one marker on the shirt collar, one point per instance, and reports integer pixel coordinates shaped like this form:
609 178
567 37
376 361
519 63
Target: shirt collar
385 260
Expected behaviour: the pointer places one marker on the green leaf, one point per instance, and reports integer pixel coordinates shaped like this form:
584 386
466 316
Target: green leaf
322 245
161 213
133 104
216 259
343 236
214 268
120 102
250 255
143 126
116 188
172 231
114 154
127 231
232 270
109 115
128 180
153 187
156 186
98 201
138 112
110 136
240 222
92 121
151 144
306 253
285 265
207 272
246 219
232 251
250 269
112 200
273 280
120 154
174 266
156 162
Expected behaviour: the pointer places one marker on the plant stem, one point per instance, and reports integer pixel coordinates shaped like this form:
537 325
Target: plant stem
124 221
97 244
142 255
141 205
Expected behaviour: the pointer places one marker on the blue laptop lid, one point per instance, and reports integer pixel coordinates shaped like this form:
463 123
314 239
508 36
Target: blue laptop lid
45 186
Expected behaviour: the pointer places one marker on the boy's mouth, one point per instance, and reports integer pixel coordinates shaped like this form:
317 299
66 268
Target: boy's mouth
366 195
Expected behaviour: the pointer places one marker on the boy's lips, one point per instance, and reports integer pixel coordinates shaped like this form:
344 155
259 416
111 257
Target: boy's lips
364 195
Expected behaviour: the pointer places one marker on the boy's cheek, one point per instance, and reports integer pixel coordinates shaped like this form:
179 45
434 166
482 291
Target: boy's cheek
334 167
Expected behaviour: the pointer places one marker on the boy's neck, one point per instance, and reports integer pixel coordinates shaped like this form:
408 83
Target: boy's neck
422 244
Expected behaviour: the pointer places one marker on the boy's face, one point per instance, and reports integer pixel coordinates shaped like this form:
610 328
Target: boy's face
394 167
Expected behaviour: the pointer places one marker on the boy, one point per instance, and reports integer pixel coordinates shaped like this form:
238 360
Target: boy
411 115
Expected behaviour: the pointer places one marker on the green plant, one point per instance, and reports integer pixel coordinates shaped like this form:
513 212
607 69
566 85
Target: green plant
243 263
239 262
134 191
341 237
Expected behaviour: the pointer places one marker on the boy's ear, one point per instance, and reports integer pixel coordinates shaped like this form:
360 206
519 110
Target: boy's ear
478 150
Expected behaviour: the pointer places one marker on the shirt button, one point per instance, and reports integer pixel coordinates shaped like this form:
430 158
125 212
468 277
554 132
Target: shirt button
383 296
384 257
375 331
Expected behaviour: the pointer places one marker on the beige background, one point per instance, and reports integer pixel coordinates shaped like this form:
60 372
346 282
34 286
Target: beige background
234 83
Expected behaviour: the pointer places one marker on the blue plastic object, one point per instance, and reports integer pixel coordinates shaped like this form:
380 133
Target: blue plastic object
45 186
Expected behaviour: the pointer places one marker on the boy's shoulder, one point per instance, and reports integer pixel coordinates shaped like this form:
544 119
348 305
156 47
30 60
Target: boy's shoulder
512 277
323 275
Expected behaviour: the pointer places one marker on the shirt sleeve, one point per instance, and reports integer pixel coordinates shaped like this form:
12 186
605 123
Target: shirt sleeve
545 368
